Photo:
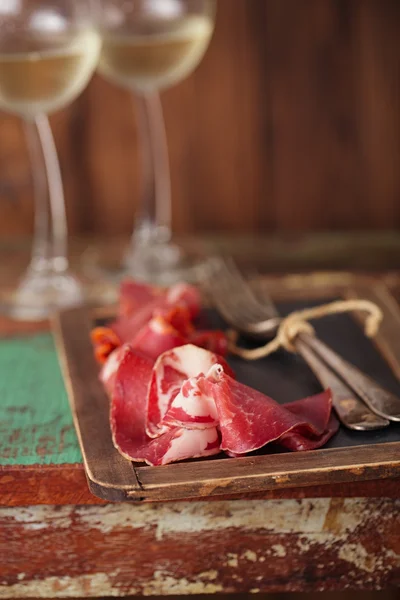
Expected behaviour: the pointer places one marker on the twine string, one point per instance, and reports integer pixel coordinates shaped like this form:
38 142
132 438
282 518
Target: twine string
297 322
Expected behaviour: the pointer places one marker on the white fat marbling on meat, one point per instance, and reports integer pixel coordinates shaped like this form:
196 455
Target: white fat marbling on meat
189 360
192 444
157 326
215 372
196 403
175 293
110 367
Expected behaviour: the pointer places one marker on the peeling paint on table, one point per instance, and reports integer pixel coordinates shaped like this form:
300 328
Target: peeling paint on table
200 548
35 421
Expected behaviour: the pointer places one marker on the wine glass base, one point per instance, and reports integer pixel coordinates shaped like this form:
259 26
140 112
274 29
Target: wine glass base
159 264
40 294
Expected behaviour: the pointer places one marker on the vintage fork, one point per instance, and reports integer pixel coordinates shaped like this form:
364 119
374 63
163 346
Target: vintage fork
238 304
380 400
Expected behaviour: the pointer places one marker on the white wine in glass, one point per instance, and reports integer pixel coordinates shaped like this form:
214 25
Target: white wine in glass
42 74
48 52
155 55
147 46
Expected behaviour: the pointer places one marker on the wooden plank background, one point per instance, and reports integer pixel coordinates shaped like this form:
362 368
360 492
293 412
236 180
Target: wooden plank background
291 123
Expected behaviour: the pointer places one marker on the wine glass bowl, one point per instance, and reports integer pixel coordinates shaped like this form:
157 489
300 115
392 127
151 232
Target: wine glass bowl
148 46
48 51
46 57
153 44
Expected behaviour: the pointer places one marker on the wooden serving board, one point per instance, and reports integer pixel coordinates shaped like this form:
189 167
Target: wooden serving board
348 457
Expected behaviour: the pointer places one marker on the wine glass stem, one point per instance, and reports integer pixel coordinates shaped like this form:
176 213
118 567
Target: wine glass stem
153 222
41 242
56 204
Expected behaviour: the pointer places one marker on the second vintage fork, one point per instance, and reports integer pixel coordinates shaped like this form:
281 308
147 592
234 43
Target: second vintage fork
240 307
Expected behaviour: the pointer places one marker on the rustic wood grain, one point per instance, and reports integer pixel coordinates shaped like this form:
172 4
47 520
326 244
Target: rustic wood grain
193 548
290 123
67 485
269 472
50 484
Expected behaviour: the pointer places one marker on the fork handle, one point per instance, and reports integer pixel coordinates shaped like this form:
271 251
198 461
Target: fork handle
378 399
352 412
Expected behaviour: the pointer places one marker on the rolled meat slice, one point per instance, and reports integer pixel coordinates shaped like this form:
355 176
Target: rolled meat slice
128 420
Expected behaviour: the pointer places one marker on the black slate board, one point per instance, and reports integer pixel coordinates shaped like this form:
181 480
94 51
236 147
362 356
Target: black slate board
286 377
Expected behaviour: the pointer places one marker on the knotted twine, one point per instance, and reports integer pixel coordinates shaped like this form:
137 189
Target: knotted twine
297 322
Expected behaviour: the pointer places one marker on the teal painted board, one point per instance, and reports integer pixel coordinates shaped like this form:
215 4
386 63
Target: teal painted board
35 420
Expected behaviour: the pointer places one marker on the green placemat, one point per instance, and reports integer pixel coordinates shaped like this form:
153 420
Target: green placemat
35 420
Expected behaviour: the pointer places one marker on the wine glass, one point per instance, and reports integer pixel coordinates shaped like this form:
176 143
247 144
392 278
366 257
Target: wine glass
147 46
48 51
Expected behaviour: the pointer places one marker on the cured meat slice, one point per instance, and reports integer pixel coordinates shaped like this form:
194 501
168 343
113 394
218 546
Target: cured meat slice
155 320
109 370
297 442
128 416
319 415
157 337
192 408
134 295
126 327
178 317
170 372
181 444
167 328
105 341
186 295
314 410
215 341
137 304
186 404
152 330
249 419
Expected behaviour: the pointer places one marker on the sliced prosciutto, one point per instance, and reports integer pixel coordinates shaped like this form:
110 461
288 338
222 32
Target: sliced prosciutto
105 341
128 420
187 295
178 317
154 320
215 341
192 408
297 442
319 414
171 371
133 295
110 368
187 404
156 337
249 420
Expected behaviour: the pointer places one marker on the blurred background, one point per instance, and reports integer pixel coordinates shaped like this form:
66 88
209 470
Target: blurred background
290 124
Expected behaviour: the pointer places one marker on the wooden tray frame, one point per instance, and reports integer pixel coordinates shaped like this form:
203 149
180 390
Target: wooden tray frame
113 478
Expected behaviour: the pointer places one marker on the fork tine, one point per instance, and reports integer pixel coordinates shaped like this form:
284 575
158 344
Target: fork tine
223 290
261 291
260 311
256 292
237 296
233 295
219 290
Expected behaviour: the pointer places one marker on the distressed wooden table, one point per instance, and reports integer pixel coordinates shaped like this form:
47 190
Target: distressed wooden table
58 540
